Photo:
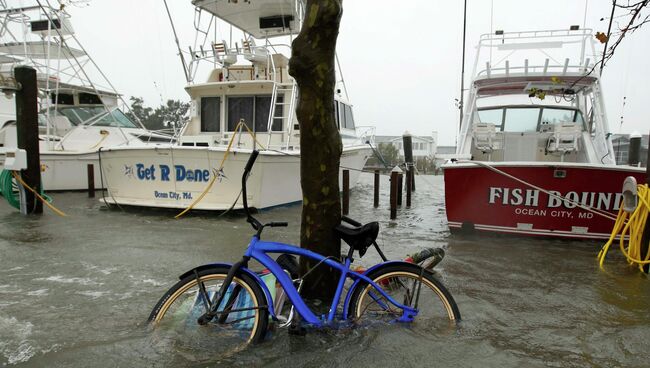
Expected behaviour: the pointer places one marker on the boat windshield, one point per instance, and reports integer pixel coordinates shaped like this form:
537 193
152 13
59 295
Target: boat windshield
528 118
96 116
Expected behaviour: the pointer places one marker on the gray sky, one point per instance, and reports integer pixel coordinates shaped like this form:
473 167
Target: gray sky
400 59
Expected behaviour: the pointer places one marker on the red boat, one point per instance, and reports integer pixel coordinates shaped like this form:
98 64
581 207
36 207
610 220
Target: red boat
559 199
535 152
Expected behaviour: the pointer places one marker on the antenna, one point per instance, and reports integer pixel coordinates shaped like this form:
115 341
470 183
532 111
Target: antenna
180 52
462 68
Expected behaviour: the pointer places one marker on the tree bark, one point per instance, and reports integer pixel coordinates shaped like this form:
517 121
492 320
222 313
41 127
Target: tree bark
312 65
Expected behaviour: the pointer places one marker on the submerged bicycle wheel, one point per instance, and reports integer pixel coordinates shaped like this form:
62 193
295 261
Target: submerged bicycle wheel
246 322
436 307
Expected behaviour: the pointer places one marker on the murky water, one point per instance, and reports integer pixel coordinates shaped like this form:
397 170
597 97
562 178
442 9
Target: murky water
76 291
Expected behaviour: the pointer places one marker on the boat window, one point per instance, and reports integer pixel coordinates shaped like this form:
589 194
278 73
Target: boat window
492 116
349 119
554 116
262 109
521 119
210 114
96 116
240 108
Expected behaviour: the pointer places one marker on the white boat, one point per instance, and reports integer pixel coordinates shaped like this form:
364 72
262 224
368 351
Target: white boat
535 147
77 116
247 81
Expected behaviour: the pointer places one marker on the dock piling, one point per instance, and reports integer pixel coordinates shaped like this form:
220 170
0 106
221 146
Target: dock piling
393 194
400 181
376 202
409 180
634 150
91 181
346 192
27 135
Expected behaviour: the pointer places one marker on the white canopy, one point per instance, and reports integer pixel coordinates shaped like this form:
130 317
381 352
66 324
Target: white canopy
39 50
259 18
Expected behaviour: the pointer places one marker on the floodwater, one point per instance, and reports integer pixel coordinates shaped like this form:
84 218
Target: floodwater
76 292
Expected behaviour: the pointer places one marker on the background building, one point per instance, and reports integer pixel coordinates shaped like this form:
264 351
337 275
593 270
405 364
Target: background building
621 144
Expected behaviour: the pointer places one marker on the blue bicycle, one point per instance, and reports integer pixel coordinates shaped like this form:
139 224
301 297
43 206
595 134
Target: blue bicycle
234 304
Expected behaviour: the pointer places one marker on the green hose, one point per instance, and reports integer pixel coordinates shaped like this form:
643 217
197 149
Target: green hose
9 191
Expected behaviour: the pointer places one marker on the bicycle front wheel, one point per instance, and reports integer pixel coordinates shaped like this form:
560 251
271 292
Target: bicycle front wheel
407 284
245 320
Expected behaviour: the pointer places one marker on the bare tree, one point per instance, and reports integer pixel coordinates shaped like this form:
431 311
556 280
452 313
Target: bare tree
312 65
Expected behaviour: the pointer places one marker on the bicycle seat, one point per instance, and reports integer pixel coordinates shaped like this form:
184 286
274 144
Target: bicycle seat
359 238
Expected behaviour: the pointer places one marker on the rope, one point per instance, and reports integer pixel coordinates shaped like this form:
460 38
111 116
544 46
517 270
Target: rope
45 202
104 134
216 172
635 226
577 204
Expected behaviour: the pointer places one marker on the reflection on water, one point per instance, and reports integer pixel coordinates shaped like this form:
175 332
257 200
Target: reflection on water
76 291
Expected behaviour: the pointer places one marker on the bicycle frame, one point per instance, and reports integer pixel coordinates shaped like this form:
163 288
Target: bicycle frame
258 249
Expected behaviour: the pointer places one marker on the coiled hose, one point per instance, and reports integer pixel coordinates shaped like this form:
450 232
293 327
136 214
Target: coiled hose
9 190
634 227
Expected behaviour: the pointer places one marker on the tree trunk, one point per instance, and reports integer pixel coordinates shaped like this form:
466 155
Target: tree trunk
312 65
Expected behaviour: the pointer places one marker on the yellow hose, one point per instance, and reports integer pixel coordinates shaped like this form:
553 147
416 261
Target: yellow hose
216 172
632 225
48 204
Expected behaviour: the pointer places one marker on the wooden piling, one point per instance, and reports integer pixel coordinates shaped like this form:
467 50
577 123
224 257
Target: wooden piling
409 179
393 194
91 181
413 177
27 134
376 202
400 180
634 150
346 192
407 142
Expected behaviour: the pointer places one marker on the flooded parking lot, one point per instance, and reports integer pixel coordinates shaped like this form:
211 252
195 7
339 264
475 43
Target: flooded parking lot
76 291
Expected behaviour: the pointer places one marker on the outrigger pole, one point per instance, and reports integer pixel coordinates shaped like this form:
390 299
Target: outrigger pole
462 70
180 52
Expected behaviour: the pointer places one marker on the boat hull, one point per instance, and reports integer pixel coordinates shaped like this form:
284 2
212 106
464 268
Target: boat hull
175 177
478 198
67 171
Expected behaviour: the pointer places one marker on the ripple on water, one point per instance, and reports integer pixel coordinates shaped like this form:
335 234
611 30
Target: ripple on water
15 345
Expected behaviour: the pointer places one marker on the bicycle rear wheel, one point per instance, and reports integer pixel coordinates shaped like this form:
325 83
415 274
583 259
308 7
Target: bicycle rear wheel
436 307
246 322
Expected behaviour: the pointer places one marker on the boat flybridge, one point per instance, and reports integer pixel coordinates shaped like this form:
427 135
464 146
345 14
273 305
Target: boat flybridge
242 98
535 152
77 117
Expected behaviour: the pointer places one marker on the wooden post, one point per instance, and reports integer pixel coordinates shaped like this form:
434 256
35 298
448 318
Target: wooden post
634 150
27 134
413 177
393 194
645 239
91 181
400 180
376 203
407 141
346 192
409 179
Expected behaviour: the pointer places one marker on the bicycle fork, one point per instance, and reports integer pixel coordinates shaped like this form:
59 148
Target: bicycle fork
214 302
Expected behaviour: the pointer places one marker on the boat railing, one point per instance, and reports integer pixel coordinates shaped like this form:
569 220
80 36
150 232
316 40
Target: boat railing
502 37
537 70
365 134
267 62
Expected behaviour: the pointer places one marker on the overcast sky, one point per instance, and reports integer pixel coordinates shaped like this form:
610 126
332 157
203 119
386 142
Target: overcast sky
401 59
